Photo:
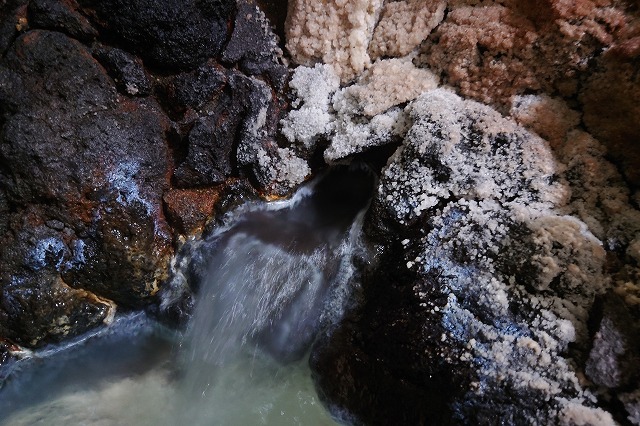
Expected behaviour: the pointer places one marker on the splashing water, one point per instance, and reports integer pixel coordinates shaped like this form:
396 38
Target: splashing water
268 281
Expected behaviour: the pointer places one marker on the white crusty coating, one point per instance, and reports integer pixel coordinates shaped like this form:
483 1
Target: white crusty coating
498 240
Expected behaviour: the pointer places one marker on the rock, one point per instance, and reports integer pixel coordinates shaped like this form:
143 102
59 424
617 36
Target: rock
386 84
335 34
501 49
194 89
189 209
61 15
480 271
209 150
610 108
631 403
550 118
404 25
254 46
614 360
387 360
14 20
41 308
311 117
92 164
340 118
166 34
276 170
126 69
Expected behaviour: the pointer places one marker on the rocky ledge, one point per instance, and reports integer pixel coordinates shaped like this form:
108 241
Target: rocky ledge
503 282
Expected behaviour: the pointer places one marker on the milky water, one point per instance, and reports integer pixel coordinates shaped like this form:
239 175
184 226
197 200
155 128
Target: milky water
269 279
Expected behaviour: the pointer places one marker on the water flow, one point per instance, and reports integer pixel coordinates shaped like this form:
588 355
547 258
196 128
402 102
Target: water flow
269 280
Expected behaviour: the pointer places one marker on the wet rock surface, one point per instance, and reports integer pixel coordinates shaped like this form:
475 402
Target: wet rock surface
119 127
127 128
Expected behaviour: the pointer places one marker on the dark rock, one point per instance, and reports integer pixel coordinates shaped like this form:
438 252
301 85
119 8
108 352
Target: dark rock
239 126
631 402
60 15
209 151
388 360
189 209
40 308
126 69
233 194
195 88
166 33
254 46
77 155
614 360
4 212
13 20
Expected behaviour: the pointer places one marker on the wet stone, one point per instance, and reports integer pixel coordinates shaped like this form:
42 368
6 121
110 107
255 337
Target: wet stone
60 15
254 46
126 69
189 209
167 34
195 88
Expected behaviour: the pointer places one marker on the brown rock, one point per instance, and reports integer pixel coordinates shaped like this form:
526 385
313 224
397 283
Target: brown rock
611 107
492 52
189 209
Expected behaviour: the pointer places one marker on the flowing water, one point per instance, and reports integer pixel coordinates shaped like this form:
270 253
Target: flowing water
265 282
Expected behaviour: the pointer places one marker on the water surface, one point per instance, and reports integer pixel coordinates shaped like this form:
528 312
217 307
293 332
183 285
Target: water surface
265 282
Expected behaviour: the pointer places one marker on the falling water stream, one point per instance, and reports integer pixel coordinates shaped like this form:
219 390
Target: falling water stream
266 282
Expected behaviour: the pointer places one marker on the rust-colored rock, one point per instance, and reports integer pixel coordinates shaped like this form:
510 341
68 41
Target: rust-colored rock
492 52
189 209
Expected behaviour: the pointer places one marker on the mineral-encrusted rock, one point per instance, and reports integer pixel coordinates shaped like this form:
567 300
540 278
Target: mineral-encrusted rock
254 46
631 403
167 34
358 117
337 34
404 25
277 170
500 49
470 205
88 167
611 108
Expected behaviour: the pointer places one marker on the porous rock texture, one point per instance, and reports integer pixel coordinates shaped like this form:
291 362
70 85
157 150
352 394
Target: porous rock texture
121 123
333 32
501 232
492 50
503 283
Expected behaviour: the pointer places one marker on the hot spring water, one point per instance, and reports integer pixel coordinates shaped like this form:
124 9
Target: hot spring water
266 282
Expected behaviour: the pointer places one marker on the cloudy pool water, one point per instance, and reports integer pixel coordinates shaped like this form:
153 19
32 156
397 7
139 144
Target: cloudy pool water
269 279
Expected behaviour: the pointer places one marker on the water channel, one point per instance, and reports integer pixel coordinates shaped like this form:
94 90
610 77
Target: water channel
265 282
